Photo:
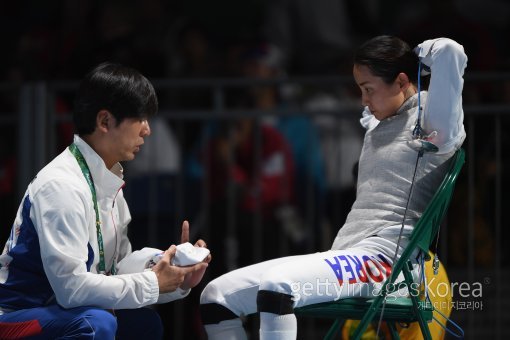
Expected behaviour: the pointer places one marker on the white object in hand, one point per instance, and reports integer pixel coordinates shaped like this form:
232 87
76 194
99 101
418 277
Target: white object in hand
187 255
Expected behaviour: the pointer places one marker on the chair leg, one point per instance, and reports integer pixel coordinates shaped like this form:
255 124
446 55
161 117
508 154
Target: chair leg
419 315
368 317
393 331
333 330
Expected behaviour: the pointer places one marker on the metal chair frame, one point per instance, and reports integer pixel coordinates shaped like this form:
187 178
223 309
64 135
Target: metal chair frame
400 309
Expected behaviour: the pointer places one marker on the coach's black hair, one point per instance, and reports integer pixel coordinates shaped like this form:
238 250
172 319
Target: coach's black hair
387 56
121 90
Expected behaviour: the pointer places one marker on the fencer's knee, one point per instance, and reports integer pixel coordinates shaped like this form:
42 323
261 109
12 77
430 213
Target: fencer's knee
211 293
211 311
275 292
274 302
214 313
276 280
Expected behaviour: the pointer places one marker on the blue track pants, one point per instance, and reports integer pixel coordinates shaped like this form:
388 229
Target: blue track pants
55 322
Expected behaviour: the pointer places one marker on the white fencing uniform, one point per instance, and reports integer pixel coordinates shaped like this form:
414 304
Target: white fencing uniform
362 253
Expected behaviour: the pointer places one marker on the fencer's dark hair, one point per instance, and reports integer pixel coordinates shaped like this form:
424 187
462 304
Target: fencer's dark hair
121 90
386 56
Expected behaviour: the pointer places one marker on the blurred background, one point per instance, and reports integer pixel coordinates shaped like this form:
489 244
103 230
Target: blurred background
258 133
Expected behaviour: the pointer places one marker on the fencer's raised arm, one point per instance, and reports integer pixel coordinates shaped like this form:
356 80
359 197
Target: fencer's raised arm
443 110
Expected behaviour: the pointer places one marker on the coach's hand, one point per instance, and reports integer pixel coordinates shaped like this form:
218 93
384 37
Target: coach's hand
170 277
193 278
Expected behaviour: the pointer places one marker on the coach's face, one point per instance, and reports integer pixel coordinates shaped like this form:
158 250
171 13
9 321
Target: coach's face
122 141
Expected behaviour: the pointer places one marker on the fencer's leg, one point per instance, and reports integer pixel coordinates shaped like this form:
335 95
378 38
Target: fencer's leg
221 323
316 278
230 296
277 319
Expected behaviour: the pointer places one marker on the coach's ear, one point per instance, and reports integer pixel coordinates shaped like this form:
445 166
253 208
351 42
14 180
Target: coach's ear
104 120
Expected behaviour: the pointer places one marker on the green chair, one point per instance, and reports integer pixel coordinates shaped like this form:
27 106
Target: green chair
402 309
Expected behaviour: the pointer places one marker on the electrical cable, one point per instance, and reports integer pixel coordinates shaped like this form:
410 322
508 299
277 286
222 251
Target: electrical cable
422 147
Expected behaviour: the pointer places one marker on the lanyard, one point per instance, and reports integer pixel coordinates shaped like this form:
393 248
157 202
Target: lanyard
88 177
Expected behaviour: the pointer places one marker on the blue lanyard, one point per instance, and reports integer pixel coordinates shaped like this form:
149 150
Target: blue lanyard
88 177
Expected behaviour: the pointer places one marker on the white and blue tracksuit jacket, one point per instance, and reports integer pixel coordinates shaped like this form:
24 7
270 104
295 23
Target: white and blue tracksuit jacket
52 252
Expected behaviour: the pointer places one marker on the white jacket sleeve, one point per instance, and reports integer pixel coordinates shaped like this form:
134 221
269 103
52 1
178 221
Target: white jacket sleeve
443 111
62 215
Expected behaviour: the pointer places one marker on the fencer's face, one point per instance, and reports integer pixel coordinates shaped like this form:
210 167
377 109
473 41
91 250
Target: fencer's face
382 99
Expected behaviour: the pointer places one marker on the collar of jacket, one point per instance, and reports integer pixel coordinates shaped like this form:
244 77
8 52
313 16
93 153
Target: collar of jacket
108 182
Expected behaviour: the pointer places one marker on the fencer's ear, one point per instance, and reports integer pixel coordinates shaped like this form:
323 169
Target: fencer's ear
103 120
403 81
